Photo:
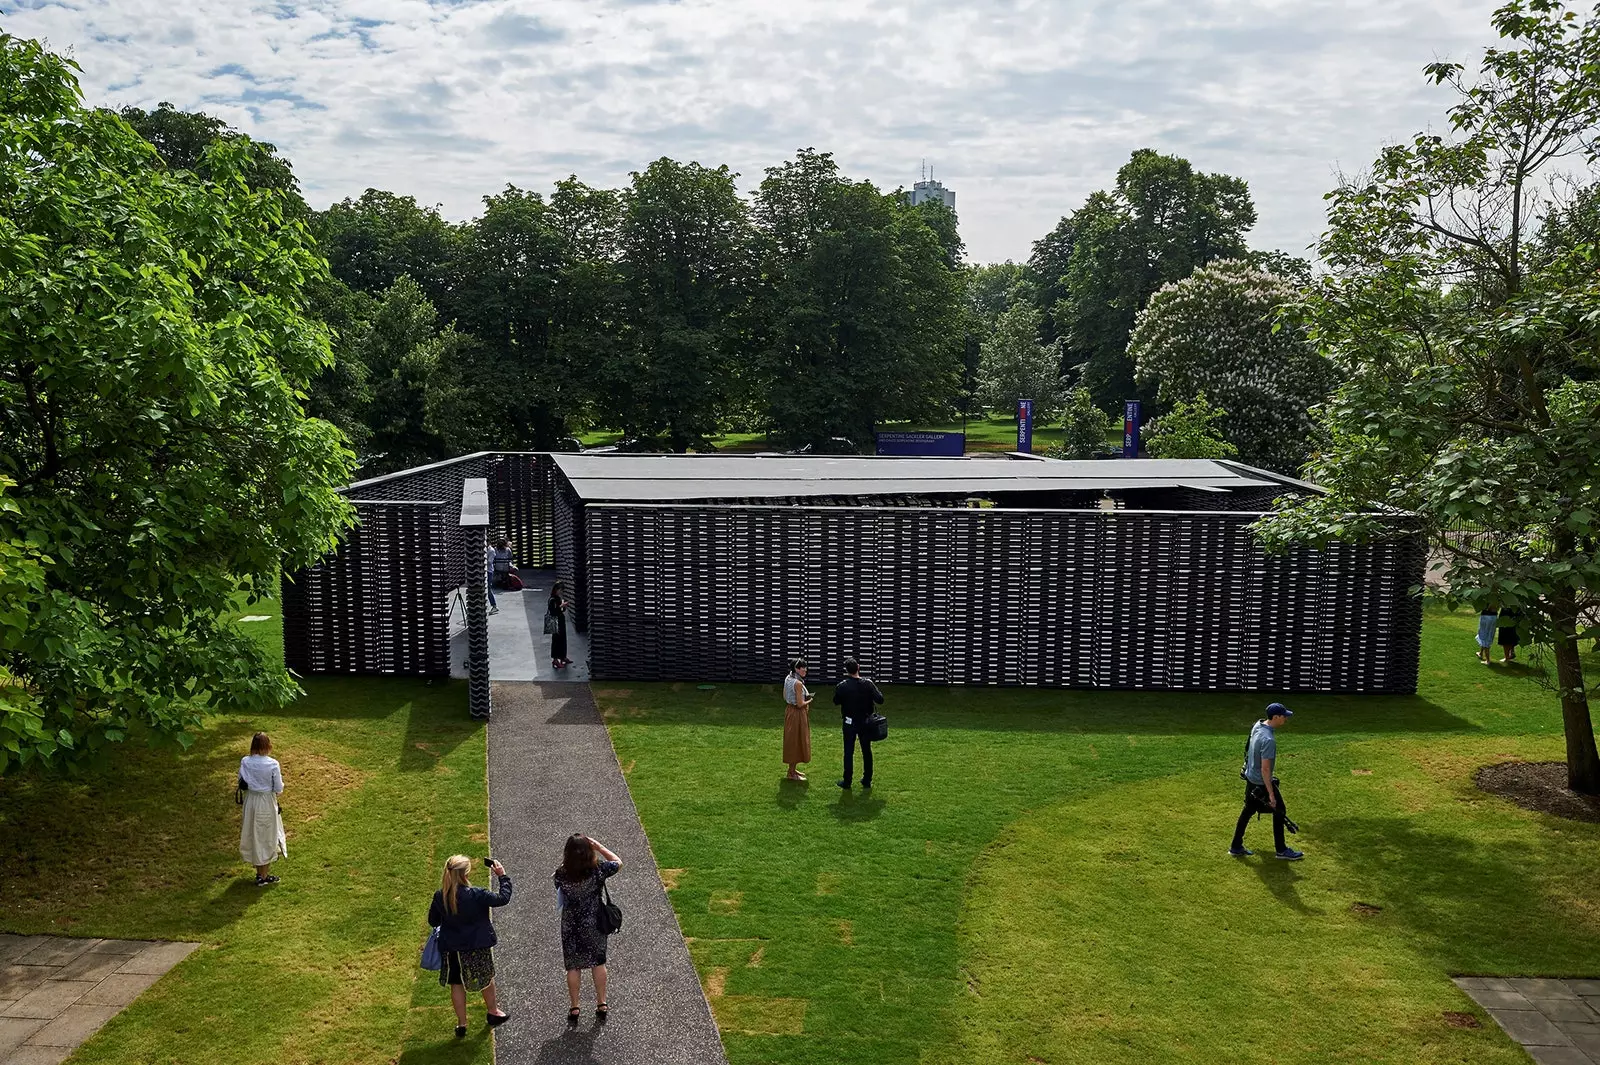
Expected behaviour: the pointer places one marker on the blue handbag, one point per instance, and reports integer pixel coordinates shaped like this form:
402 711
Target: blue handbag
431 960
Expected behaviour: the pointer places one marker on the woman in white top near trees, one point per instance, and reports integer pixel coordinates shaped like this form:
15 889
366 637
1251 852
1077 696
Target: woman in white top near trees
261 839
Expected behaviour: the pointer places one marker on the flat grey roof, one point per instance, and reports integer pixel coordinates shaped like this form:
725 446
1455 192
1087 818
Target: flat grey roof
622 477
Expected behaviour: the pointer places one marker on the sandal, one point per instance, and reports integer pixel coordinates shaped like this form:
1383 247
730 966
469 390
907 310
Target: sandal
572 1017
601 1012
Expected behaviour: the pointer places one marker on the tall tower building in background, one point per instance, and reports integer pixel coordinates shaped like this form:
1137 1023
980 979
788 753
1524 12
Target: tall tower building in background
929 189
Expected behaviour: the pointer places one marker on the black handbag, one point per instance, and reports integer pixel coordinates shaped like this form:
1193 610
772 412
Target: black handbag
552 624
877 728
608 918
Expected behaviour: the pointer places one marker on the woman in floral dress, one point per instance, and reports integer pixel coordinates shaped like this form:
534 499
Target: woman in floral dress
585 866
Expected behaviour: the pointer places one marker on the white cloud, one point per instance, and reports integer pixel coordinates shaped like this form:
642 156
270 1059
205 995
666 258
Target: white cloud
1023 106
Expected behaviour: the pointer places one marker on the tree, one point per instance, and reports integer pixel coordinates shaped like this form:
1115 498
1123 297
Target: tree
991 290
1016 366
1467 348
1189 431
1161 221
860 311
1083 427
374 240
1047 273
153 348
1216 332
517 386
182 138
402 350
686 270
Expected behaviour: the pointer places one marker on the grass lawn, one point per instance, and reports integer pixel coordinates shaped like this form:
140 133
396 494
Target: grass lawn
383 780
1041 877
997 432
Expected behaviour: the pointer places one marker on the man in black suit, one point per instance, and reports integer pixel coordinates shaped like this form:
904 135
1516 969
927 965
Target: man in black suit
856 696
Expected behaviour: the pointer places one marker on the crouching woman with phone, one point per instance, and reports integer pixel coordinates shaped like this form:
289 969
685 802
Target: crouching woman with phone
466 937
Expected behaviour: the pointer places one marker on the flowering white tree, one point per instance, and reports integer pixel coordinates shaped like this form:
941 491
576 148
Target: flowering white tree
1014 365
1213 333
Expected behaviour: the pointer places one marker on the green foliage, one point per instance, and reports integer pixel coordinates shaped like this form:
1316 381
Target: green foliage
154 353
516 387
1189 431
1215 333
1014 365
183 138
1161 221
1476 406
1084 427
686 271
374 240
860 316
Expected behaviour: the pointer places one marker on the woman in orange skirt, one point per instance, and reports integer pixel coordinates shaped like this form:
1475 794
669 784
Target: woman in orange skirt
796 720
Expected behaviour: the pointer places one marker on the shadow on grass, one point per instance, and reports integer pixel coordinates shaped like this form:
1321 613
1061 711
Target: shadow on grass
1470 900
447 1050
1117 713
791 793
1282 879
853 807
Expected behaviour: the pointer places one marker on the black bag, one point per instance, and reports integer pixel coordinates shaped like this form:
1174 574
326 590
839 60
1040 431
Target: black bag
608 918
238 792
552 624
877 728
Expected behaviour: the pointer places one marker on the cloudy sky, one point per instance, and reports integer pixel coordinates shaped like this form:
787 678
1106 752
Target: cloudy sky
1023 107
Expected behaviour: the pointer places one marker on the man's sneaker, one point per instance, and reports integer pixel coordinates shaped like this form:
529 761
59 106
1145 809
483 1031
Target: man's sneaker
1289 854
1240 852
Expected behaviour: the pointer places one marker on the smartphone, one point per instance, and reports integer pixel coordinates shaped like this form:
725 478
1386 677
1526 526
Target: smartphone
488 863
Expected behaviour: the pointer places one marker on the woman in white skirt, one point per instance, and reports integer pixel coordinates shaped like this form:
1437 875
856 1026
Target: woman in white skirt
261 838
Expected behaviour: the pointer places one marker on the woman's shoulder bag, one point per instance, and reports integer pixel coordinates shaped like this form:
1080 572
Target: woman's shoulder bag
608 917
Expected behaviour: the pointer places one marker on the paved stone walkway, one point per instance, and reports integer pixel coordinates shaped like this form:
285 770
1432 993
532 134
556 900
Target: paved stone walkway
518 647
1556 1021
56 992
552 772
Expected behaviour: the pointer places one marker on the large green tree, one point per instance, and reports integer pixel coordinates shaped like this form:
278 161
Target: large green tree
1162 219
1217 332
860 311
1469 347
686 268
1016 366
375 239
154 349
183 138
517 387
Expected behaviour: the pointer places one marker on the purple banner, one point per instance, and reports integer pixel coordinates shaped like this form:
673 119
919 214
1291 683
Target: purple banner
948 445
1025 426
1130 429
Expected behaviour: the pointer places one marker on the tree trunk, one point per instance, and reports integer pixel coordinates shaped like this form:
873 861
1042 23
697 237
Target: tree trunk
1583 761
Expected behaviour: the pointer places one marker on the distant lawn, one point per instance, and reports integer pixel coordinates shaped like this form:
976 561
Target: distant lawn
984 433
384 780
1041 877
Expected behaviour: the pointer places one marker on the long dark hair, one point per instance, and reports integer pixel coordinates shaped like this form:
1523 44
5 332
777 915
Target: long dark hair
577 860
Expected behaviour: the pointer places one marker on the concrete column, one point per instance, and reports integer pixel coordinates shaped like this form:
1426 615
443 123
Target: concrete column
475 518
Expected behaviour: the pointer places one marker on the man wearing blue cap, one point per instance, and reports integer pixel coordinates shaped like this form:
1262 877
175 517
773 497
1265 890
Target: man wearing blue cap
1261 792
